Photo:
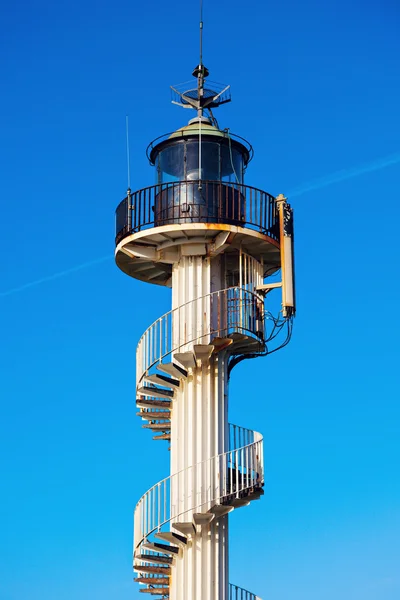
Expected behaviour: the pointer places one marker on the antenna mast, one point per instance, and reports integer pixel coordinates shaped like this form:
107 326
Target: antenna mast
201 32
203 97
128 162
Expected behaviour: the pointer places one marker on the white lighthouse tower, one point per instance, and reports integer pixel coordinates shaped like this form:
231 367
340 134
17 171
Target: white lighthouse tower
215 242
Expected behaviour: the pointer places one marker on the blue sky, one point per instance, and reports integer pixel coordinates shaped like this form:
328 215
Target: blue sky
315 89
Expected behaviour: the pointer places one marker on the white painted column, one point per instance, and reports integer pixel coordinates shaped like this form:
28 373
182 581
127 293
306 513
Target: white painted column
199 432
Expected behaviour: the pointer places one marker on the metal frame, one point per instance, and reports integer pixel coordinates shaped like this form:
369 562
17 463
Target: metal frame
186 134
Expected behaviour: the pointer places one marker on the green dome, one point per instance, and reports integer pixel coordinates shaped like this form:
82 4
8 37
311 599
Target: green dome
193 129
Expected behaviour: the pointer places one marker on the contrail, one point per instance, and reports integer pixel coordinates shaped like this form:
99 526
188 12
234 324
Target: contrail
31 284
317 184
344 174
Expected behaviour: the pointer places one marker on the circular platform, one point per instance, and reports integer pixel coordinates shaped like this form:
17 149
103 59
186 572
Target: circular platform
148 255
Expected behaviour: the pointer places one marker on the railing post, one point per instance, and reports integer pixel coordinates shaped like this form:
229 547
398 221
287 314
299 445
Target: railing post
129 211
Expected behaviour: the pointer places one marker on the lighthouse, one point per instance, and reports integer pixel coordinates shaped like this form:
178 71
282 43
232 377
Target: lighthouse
222 247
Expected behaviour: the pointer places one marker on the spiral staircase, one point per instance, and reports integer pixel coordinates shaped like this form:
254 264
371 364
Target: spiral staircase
161 531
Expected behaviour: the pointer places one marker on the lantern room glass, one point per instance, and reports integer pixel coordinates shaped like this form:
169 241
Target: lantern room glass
179 161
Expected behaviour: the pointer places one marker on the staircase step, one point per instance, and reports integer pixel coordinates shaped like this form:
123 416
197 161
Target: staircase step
172 369
153 580
141 403
220 343
163 436
156 570
153 416
155 558
172 538
238 502
187 528
246 496
158 426
163 591
256 494
162 380
157 547
186 359
254 347
249 346
219 510
238 337
203 518
155 392
203 351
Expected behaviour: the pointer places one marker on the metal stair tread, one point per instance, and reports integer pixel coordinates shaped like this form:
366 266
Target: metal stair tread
249 346
155 392
161 560
153 580
158 426
171 537
238 336
187 359
219 510
141 403
203 518
159 570
155 591
163 380
172 369
220 343
185 527
239 502
203 352
152 416
245 496
157 547
163 436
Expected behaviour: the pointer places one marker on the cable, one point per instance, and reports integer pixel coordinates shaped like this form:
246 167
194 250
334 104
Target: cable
233 361
230 153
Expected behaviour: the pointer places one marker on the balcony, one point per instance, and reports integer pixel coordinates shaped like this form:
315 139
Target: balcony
183 202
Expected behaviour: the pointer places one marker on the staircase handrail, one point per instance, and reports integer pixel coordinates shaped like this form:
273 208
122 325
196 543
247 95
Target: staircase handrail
156 342
151 512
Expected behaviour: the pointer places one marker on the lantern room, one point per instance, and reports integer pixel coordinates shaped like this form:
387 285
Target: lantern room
200 151
200 170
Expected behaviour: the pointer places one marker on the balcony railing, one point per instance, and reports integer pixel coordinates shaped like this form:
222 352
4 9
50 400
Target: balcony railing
237 593
197 202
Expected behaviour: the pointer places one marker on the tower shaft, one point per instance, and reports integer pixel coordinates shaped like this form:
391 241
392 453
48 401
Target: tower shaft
199 431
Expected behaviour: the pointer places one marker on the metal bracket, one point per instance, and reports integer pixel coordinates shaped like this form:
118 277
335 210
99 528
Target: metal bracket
267 287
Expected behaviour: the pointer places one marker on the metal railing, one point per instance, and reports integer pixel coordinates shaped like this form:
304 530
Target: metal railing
197 202
237 593
233 310
240 436
216 480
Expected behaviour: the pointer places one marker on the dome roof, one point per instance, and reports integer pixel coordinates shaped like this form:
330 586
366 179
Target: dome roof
194 130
